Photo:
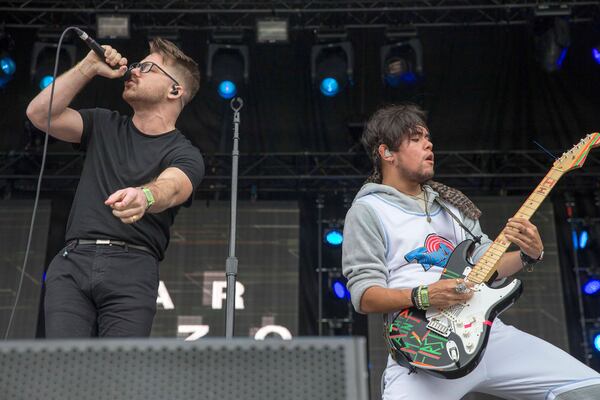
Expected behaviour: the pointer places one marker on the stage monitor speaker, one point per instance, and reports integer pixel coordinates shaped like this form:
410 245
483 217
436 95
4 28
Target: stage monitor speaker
208 369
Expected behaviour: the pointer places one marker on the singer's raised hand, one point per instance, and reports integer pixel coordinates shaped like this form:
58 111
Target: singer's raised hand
107 67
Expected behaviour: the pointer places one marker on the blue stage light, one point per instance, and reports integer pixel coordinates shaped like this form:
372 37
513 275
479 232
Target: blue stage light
561 58
44 61
397 72
227 89
329 87
45 81
339 289
7 70
583 239
575 238
334 237
409 78
331 66
597 341
8 66
393 80
592 286
596 54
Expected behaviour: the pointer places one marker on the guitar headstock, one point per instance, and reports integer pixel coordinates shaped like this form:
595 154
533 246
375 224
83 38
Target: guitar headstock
575 158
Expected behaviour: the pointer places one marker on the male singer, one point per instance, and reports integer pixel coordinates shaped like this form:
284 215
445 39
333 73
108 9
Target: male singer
137 172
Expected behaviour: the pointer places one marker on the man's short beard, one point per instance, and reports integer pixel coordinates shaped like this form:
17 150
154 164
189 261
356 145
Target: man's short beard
140 98
422 177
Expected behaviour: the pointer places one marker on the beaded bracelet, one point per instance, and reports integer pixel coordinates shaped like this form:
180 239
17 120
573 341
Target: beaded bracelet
424 297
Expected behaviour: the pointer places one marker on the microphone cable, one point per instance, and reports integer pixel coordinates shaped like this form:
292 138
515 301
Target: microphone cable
39 186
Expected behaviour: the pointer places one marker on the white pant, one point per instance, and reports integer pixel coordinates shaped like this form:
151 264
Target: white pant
515 365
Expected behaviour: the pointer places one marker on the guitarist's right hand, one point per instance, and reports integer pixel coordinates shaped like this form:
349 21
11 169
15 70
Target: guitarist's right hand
443 293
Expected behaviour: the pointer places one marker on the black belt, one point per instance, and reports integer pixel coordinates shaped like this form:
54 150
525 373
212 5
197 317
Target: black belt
107 242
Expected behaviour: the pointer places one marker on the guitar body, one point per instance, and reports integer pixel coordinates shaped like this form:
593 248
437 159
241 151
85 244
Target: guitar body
449 343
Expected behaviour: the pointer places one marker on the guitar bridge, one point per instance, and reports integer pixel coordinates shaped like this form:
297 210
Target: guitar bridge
439 327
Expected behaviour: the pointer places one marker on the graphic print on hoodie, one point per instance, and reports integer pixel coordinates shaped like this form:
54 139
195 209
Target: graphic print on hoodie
436 251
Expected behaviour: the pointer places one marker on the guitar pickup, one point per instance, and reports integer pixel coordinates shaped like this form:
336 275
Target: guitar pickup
439 327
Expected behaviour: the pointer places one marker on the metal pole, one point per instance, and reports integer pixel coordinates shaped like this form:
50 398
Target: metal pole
231 265
582 319
320 205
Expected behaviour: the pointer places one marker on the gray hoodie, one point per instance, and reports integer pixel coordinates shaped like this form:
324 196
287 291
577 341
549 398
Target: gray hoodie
364 247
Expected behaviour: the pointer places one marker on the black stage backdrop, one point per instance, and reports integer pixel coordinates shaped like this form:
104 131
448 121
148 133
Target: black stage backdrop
483 90
15 220
193 283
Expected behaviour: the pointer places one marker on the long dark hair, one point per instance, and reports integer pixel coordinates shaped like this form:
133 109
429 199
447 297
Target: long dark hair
390 125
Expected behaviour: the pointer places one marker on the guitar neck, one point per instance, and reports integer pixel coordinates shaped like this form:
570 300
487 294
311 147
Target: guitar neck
488 263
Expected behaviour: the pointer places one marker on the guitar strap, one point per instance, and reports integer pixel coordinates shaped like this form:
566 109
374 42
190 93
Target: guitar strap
476 239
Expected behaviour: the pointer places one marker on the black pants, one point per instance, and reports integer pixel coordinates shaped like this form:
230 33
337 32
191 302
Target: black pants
100 290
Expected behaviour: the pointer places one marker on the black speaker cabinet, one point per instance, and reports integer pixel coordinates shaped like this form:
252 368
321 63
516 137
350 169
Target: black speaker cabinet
167 369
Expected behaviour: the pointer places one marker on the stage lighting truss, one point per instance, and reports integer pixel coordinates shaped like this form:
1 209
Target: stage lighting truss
402 62
227 67
309 15
332 67
42 62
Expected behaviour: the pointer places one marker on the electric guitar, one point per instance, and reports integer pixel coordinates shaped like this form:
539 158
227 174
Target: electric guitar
450 342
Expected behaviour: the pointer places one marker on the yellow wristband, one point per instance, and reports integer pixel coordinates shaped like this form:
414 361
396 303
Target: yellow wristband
149 197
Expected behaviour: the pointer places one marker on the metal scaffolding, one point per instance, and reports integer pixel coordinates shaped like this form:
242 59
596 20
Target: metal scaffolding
194 14
475 172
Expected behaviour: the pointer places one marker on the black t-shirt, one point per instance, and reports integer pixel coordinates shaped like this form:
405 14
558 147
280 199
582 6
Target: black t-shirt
118 156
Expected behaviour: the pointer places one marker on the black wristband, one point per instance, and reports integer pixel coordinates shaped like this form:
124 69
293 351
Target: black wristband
527 260
413 296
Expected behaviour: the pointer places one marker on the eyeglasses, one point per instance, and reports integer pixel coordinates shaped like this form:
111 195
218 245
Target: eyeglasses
147 66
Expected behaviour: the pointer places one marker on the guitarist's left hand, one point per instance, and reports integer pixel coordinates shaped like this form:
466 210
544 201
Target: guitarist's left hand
525 235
